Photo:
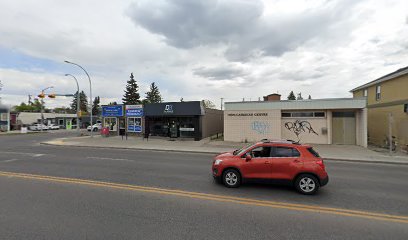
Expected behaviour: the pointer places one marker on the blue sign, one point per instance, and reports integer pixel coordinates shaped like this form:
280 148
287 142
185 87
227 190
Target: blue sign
112 111
136 112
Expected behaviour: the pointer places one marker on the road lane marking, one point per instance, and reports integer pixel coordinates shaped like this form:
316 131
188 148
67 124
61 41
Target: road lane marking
9 160
214 197
111 159
25 153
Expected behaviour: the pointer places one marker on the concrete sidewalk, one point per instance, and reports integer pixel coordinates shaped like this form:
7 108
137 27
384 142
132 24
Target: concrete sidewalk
328 152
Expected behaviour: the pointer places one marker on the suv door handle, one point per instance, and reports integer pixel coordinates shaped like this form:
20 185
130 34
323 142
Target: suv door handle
296 161
266 162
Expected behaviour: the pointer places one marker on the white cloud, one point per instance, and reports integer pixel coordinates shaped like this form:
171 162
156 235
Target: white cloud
203 49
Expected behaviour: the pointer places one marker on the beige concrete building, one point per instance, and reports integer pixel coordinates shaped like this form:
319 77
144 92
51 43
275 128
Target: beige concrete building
323 121
387 95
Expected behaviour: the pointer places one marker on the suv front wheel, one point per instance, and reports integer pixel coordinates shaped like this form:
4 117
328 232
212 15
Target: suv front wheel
231 178
307 184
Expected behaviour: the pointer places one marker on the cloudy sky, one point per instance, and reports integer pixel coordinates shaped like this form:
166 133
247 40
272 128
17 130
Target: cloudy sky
199 49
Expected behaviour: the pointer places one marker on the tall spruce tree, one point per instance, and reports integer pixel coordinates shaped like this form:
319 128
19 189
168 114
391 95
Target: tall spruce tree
131 96
83 102
291 96
95 106
153 95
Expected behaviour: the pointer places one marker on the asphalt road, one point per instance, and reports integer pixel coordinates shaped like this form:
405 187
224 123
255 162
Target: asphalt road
35 207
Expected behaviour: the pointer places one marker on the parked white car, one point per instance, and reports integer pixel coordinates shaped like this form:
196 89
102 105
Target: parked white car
37 127
53 127
95 127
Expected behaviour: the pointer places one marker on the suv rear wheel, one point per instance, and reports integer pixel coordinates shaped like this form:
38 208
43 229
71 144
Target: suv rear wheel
231 178
307 184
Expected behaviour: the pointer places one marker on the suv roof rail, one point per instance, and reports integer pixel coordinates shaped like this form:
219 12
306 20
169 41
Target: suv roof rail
288 141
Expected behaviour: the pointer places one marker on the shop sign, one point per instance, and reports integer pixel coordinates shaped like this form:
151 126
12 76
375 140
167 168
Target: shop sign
168 108
134 111
112 111
247 114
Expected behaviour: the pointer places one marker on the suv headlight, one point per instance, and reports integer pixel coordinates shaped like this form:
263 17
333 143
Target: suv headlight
217 162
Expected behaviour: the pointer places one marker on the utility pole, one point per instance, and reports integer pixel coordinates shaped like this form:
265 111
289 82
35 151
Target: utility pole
41 96
222 100
8 119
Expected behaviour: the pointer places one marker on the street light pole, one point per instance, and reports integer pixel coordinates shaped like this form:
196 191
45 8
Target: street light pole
78 100
90 90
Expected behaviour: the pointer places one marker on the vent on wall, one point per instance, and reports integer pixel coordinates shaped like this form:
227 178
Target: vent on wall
324 130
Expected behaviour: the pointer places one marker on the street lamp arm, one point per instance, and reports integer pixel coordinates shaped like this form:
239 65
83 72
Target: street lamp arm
76 81
78 100
81 68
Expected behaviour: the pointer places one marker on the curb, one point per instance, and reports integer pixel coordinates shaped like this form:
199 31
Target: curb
129 148
364 161
217 152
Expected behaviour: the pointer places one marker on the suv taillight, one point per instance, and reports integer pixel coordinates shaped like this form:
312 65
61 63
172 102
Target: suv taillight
320 163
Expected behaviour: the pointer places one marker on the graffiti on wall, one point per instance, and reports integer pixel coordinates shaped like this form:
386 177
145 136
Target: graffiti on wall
298 127
260 127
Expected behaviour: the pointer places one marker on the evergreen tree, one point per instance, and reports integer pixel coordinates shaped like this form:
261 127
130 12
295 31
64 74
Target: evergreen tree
83 102
95 106
181 99
113 103
291 96
299 97
310 97
153 95
131 96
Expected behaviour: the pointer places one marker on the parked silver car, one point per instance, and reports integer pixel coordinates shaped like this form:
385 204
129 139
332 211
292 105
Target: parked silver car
37 127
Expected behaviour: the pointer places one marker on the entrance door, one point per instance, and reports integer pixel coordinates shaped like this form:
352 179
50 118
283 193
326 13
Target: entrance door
344 128
68 124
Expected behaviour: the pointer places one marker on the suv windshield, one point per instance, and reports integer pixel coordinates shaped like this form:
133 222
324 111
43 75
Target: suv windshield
241 150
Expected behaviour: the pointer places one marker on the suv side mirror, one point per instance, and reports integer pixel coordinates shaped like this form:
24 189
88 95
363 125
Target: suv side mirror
248 157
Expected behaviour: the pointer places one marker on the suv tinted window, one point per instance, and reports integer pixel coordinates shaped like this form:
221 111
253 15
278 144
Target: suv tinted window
285 152
261 152
313 152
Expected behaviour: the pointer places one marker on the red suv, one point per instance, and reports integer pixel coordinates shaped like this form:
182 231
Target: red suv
275 161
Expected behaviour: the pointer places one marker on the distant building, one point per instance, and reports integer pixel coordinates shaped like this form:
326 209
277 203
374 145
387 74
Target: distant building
386 95
63 120
272 97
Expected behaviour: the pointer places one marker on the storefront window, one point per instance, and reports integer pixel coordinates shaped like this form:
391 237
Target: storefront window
187 128
111 123
134 124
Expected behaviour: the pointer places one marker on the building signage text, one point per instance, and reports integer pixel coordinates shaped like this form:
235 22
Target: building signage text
168 109
247 114
134 110
112 111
